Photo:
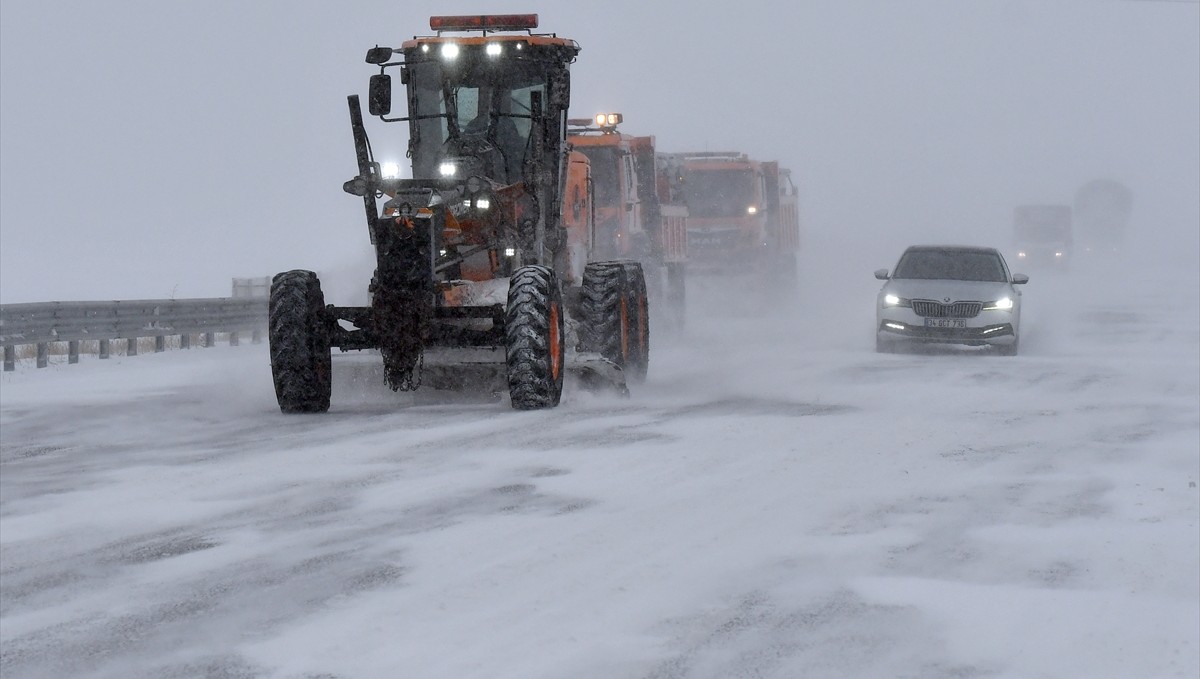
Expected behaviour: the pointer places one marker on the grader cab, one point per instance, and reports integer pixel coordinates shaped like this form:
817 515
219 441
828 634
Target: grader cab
484 255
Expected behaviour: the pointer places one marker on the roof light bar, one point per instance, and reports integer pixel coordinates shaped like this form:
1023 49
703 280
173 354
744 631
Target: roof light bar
484 22
609 119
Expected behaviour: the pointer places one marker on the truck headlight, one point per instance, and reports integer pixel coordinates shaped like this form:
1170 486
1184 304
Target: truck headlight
448 169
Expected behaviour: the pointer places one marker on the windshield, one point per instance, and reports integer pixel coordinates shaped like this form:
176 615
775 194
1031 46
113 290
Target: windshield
485 99
605 174
719 193
956 265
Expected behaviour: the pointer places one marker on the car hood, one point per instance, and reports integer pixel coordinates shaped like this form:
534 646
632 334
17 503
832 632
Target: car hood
978 291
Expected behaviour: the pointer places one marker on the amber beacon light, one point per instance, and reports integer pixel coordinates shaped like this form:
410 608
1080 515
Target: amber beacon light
484 22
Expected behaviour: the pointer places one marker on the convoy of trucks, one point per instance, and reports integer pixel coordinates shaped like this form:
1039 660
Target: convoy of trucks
525 242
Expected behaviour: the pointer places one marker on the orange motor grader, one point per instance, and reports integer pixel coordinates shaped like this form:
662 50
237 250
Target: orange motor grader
486 255
634 214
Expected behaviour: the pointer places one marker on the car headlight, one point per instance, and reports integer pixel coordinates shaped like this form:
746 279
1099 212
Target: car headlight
895 300
1002 304
1021 255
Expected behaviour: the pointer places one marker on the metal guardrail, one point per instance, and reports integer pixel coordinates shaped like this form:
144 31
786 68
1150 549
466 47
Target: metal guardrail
42 323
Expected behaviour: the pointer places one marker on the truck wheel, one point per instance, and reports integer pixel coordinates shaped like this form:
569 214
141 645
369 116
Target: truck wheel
607 327
638 305
301 364
533 338
676 302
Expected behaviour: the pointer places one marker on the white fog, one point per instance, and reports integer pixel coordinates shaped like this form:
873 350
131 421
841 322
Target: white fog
777 499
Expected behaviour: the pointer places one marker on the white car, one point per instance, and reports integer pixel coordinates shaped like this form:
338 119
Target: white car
949 295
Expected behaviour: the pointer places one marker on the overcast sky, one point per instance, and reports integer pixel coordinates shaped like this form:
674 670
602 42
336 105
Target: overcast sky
154 149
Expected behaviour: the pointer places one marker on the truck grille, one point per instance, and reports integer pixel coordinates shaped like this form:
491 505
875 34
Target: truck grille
931 309
722 240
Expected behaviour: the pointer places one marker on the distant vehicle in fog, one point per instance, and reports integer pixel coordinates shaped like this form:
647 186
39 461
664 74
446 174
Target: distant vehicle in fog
943 294
1042 235
1102 210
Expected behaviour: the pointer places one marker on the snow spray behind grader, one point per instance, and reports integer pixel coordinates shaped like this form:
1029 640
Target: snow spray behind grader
483 257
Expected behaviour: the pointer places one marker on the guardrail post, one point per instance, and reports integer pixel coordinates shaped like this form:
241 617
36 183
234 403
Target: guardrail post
131 346
10 359
210 338
73 351
160 344
43 354
233 339
103 348
185 341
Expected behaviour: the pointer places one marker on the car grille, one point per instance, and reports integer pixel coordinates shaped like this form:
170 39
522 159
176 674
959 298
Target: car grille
931 309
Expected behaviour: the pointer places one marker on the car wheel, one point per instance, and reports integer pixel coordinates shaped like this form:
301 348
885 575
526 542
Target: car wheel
1009 349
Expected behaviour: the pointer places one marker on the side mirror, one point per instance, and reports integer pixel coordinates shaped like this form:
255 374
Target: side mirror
1020 279
379 55
881 274
379 97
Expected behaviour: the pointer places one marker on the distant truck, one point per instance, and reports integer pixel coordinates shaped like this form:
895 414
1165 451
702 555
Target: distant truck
743 214
1042 234
1102 210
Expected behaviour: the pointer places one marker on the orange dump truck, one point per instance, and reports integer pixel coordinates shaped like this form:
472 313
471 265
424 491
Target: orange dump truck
743 214
635 217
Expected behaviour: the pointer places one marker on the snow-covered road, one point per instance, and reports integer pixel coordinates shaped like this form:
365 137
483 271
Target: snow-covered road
776 501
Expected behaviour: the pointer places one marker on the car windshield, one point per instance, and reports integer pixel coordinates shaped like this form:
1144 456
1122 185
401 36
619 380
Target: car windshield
955 265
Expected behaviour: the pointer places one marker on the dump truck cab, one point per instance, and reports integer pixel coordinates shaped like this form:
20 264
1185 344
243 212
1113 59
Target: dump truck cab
617 184
635 216
1042 235
742 213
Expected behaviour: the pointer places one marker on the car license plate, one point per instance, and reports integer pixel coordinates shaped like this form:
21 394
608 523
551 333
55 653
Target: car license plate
945 323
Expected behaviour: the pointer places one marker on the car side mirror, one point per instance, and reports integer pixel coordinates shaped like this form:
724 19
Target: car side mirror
881 274
379 96
1020 279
